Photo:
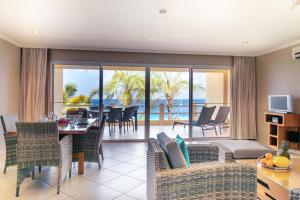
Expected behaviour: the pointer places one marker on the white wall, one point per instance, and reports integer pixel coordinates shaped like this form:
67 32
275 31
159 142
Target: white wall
9 81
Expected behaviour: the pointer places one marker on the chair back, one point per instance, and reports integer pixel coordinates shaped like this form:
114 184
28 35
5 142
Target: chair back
9 122
129 113
37 144
206 114
115 114
222 114
77 111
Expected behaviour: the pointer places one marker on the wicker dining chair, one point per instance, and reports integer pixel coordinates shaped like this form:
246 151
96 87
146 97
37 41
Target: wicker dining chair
38 144
90 143
9 126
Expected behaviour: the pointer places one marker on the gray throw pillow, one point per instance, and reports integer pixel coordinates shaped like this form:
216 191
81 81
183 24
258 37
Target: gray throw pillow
163 140
175 155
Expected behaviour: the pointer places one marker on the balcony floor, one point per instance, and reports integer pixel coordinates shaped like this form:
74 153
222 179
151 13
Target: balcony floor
154 130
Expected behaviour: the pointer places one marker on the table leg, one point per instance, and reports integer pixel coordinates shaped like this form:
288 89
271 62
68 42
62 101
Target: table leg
135 120
80 158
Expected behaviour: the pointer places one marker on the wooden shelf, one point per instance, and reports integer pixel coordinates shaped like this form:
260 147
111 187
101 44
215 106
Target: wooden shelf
278 131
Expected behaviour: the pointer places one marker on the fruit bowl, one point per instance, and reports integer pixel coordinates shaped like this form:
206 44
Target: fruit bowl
280 163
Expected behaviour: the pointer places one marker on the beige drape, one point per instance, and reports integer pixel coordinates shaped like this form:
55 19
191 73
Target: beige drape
34 84
243 95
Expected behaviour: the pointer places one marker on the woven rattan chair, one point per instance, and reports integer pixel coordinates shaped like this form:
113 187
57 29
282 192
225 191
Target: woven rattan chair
206 178
113 118
127 117
90 143
38 145
9 126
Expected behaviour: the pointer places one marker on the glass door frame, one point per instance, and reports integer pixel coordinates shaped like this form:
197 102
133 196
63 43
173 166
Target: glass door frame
147 68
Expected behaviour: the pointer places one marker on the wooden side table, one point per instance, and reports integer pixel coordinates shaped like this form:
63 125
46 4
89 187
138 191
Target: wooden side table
276 184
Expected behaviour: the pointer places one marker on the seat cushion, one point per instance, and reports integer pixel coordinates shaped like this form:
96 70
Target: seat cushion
184 150
175 156
245 149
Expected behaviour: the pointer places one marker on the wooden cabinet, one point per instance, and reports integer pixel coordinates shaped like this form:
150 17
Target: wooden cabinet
279 125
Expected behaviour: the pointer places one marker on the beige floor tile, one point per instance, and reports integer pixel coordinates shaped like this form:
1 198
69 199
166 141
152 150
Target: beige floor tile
107 162
102 176
123 168
100 192
124 197
138 192
123 183
138 161
61 196
77 185
124 157
140 174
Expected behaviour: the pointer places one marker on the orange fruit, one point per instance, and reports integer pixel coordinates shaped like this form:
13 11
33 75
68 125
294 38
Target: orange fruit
263 161
269 156
270 163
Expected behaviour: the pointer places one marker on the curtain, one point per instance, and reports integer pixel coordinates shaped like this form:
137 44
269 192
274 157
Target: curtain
243 95
34 90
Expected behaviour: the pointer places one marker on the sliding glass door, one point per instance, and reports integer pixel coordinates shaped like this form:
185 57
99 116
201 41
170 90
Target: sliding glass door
211 88
124 88
169 101
75 86
166 99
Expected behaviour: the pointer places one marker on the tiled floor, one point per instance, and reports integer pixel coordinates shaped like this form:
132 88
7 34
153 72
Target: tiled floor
123 176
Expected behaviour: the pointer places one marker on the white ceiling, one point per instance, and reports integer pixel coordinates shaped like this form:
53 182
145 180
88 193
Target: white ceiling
190 26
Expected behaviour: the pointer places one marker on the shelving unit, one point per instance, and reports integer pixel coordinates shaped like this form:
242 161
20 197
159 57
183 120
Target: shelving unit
277 131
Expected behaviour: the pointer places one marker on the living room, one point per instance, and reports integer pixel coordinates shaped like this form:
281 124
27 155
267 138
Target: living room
103 100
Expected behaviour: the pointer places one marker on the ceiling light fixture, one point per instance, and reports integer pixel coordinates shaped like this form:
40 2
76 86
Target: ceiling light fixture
245 42
295 3
150 37
34 31
162 11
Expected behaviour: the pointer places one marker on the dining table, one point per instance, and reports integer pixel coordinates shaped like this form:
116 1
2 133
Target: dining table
77 129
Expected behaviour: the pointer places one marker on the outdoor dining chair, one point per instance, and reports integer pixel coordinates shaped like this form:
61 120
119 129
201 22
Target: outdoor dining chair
8 123
203 120
113 118
127 117
38 144
77 111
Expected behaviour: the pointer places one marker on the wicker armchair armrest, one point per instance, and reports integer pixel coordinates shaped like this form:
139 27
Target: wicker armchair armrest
207 181
203 152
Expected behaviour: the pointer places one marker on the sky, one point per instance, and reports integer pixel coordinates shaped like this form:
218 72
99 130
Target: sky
88 79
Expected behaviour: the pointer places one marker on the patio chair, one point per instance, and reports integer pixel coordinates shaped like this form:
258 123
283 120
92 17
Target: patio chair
9 128
127 117
203 120
91 143
38 145
206 178
77 111
113 118
220 119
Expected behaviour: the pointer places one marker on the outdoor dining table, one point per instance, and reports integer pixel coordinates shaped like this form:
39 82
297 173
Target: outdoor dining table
77 130
106 111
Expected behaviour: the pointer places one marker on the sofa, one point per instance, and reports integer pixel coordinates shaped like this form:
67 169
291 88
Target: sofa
210 176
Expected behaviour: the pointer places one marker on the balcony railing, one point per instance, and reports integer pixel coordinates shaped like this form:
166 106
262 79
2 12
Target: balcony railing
159 114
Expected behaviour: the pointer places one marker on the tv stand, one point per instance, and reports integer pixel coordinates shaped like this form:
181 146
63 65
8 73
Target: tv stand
279 124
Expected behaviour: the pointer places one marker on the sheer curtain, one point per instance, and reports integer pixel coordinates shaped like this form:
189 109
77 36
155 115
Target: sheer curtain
35 73
243 83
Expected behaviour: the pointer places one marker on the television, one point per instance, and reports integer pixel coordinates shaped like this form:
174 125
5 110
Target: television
280 103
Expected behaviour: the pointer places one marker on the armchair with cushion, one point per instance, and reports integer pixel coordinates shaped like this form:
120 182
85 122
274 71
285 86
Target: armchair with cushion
206 178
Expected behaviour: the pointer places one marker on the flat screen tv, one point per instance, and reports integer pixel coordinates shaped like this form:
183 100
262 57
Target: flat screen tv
281 103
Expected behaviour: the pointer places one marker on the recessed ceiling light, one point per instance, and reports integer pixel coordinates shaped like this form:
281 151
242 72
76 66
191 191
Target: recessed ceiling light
162 11
35 32
245 42
150 37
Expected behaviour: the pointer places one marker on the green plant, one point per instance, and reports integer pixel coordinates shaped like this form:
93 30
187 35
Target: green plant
284 150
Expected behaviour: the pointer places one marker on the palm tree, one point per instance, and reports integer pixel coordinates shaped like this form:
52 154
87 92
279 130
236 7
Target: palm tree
125 86
69 91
